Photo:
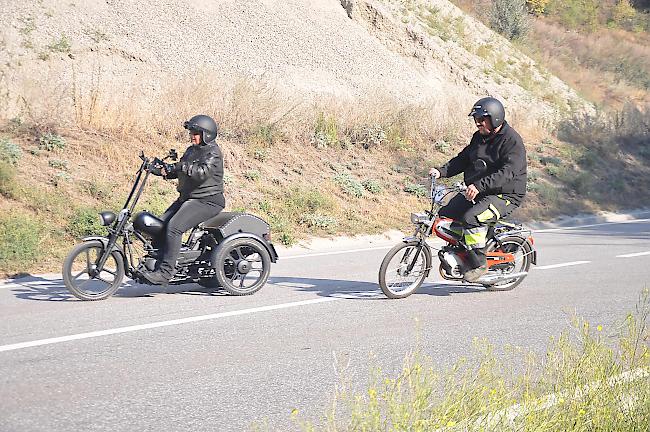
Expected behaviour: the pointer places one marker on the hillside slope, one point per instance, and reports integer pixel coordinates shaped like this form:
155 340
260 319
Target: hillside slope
331 113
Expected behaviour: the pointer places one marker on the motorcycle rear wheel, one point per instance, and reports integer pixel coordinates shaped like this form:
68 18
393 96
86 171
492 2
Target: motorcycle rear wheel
394 278
80 276
243 266
521 249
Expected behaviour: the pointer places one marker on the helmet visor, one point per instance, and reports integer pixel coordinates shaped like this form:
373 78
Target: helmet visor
194 128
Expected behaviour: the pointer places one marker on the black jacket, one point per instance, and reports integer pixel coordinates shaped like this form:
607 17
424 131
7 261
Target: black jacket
505 156
199 171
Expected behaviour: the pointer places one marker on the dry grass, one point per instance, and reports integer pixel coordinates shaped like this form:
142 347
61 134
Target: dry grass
284 158
608 66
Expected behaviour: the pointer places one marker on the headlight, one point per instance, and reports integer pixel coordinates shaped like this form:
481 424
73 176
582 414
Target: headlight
418 218
106 218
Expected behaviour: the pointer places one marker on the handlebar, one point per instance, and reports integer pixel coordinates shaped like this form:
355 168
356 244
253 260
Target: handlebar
150 163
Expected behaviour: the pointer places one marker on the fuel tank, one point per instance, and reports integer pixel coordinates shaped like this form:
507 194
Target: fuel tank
147 223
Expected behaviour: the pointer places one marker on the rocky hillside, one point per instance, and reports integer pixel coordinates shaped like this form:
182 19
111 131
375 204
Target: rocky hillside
415 51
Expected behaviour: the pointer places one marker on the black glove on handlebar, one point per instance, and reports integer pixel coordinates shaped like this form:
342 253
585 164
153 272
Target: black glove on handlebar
155 167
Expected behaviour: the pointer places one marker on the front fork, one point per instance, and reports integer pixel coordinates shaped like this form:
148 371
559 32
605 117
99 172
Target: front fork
418 250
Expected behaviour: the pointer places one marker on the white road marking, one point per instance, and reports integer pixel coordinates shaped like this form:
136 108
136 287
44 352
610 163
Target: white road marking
566 264
589 226
54 340
633 255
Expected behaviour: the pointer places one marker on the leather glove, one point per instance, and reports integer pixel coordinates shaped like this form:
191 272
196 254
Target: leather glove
155 167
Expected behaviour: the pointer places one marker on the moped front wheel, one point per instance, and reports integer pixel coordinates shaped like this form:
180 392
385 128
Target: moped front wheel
84 280
404 269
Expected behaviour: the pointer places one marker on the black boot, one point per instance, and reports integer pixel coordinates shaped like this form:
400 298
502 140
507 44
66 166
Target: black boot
156 278
477 265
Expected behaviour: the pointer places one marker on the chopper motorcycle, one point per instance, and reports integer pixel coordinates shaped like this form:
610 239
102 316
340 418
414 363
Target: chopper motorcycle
232 251
509 251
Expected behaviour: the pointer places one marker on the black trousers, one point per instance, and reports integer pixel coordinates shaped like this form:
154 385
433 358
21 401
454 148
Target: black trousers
473 218
181 216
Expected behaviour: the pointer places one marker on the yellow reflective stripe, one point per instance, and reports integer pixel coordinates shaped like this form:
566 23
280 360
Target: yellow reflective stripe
475 239
485 216
495 211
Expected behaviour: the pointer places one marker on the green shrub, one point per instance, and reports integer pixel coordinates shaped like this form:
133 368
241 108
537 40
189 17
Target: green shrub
60 178
62 45
51 142
550 160
99 191
7 179
318 221
58 164
306 201
372 186
260 154
416 189
325 132
267 135
349 184
575 13
9 152
510 18
85 222
368 136
252 175
20 240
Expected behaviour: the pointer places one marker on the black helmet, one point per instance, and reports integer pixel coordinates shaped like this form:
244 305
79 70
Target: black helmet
489 107
204 124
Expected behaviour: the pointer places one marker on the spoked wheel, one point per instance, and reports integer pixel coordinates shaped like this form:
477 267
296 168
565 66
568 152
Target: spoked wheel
522 251
84 280
243 266
403 269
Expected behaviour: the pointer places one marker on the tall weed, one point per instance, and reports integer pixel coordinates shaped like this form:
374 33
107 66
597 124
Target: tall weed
584 381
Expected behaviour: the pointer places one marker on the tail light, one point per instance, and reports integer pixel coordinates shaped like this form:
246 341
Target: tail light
531 240
267 236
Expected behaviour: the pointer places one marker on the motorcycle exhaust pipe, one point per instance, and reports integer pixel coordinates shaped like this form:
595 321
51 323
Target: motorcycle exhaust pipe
491 280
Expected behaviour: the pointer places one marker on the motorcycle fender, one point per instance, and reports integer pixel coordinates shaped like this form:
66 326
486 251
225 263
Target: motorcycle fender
424 244
269 246
104 241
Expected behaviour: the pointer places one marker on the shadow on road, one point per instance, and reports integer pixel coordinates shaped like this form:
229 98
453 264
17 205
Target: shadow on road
43 289
367 290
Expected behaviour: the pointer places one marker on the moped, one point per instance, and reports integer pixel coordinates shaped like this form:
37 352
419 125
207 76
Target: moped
232 251
509 250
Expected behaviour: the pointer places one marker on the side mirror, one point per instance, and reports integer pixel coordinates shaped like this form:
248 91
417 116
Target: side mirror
173 155
141 155
480 165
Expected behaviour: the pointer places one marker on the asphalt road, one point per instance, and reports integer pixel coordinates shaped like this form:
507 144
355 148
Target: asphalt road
184 358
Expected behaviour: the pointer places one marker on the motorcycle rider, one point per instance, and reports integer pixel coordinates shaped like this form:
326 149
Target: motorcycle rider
492 192
200 186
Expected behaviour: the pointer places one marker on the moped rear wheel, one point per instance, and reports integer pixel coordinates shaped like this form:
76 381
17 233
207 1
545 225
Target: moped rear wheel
242 266
404 269
81 276
521 249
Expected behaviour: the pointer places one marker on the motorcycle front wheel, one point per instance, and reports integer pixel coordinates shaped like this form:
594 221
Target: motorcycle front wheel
404 269
81 276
